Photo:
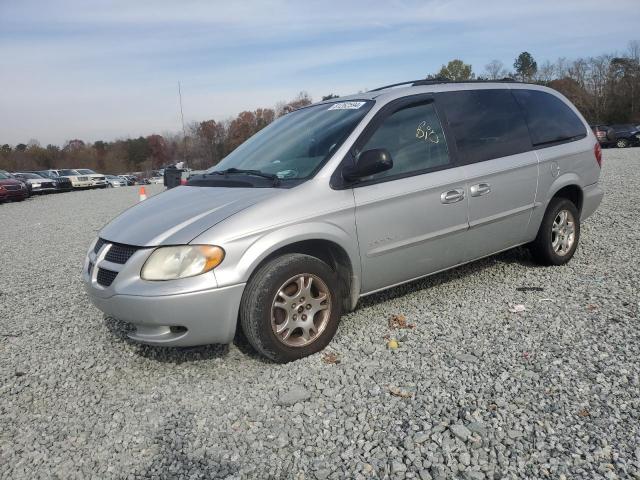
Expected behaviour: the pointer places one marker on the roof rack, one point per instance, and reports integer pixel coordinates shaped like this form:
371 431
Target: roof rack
436 81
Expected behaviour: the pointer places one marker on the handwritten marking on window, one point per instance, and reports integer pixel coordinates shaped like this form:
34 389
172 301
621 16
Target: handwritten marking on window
427 133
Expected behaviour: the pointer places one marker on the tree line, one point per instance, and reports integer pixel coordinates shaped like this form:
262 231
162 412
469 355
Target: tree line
606 89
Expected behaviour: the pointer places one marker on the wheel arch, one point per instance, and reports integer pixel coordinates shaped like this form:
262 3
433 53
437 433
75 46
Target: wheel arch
327 243
571 190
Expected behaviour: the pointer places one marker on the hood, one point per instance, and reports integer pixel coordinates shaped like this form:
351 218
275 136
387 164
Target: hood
177 216
11 181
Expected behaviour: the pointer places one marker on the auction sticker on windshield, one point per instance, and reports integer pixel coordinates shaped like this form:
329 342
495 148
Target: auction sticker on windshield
346 106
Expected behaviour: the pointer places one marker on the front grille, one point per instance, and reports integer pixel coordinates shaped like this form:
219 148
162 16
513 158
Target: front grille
106 277
83 179
47 184
99 245
119 253
13 187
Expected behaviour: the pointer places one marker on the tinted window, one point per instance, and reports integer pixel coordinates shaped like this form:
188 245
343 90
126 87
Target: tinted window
486 124
550 120
415 139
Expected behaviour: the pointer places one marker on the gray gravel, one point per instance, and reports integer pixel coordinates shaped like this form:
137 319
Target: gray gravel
474 391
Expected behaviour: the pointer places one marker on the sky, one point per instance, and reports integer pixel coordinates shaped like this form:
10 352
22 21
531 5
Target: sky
101 70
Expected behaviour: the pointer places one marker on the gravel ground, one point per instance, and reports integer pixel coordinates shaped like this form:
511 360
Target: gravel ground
474 391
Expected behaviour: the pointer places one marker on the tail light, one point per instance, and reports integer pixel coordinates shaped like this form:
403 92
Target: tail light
597 151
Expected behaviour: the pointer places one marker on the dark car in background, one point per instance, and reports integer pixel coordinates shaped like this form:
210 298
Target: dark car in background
63 184
627 135
38 184
12 189
605 134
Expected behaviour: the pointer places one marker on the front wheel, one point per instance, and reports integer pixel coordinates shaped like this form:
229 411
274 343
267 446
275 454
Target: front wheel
622 143
558 235
291 307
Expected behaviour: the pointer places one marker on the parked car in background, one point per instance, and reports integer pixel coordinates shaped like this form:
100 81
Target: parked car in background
78 180
98 180
10 175
143 181
627 135
156 180
605 134
12 189
115 181
63 184
127 179
38 183
342 199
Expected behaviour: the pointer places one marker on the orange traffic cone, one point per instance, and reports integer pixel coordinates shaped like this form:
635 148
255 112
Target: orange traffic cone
143 194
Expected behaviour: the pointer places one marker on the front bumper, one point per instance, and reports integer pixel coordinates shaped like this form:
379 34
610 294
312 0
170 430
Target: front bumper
187 319
16 194
184 312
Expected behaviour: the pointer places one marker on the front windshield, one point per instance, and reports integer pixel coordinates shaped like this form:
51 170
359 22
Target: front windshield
68 172
3 176
86 171
30 175
45 174
295 145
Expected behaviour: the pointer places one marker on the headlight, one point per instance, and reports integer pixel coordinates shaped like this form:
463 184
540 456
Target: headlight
170 263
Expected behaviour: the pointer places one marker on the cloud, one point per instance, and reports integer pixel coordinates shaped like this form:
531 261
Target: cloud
104 69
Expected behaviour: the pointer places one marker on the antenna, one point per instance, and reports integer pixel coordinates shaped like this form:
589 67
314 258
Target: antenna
184 131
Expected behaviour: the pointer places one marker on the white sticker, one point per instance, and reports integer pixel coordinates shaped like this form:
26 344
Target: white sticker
346 106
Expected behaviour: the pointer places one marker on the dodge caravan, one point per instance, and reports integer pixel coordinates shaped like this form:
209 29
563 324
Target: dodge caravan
342 199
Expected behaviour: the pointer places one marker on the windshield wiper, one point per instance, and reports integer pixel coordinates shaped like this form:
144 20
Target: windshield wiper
256 173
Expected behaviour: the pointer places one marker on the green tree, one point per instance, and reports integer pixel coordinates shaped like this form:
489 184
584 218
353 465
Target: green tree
525 66
456 70
138 150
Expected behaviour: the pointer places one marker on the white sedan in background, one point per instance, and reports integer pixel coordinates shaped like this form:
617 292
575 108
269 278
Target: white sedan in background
114 181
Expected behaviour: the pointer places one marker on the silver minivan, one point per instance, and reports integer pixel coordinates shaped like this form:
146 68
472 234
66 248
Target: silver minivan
342 199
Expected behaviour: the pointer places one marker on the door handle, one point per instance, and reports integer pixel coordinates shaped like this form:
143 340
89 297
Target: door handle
452 196
480 189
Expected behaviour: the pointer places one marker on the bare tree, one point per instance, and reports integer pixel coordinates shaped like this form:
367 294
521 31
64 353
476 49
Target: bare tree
494 70
546 72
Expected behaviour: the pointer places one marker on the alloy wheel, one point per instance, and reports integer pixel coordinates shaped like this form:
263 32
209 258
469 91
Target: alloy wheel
563 232
301 310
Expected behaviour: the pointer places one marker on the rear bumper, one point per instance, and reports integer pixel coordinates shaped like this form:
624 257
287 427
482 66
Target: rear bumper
592 197
196 318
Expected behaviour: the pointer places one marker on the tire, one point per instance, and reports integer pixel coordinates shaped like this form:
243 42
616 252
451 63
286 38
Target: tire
548 247
260 317
622 143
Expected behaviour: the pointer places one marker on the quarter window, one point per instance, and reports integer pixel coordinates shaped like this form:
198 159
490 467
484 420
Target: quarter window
486 124
414 138
550 120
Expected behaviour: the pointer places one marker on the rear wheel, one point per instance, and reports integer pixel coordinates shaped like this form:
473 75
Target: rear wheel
291 307
559 233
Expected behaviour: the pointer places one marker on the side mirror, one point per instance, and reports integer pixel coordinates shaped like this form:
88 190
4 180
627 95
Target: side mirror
368 163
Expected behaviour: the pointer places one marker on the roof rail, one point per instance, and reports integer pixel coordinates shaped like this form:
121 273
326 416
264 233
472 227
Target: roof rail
436 81
411 82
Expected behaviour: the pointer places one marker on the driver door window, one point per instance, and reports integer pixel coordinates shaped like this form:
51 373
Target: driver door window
414 138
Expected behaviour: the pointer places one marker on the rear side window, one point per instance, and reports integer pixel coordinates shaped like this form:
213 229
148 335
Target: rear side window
550 120
486 124
414 138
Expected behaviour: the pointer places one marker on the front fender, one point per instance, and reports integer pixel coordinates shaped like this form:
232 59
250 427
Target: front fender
263 245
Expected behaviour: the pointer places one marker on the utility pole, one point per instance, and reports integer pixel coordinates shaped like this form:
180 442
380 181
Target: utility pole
184 131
